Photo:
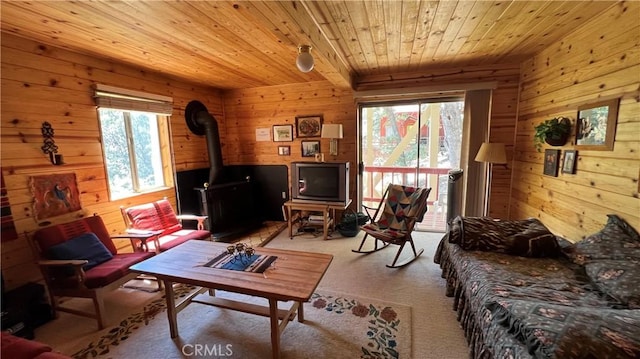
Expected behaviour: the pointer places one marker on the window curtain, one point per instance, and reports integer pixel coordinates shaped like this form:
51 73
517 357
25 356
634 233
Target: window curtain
131 100
477 108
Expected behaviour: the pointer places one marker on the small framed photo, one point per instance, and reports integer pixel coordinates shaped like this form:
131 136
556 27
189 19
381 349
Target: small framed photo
282 133
596 125
284 150
308 126
551 162
310 148
569 162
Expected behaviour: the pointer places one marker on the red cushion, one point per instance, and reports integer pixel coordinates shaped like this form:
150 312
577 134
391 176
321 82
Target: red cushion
114 269
171 240
50 236
20 348
156 216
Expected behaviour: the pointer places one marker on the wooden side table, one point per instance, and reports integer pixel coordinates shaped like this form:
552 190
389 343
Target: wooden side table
328 210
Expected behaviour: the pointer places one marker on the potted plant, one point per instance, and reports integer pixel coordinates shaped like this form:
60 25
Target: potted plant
554 132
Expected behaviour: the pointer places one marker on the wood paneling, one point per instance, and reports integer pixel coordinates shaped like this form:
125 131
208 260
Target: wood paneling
244 44
600 60
263 107
42 83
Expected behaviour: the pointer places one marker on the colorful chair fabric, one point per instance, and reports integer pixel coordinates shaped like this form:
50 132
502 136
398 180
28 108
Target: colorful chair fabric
159 219
400 208
79 259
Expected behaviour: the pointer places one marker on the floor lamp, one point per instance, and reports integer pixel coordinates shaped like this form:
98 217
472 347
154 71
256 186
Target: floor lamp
490 153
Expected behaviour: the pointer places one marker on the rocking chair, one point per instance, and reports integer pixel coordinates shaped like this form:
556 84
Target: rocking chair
399 210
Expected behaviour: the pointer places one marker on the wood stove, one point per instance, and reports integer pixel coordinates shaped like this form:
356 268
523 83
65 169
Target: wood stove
229 203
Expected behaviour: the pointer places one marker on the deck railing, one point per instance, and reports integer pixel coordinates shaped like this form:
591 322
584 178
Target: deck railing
377 178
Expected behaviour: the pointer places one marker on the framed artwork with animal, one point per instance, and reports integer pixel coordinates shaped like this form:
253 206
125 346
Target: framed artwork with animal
54 195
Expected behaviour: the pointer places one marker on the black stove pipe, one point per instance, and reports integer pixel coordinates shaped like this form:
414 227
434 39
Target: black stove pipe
210 125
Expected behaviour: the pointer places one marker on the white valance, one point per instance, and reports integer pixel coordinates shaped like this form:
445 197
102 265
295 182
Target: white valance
131 100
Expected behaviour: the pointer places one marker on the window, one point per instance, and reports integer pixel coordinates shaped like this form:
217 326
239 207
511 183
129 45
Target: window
133 144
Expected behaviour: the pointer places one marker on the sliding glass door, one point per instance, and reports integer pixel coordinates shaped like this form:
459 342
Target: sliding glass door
414 144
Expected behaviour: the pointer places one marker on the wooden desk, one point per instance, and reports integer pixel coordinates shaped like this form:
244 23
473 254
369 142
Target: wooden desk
296 278
328 210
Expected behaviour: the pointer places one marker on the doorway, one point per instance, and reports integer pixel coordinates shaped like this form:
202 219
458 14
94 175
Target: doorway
410 143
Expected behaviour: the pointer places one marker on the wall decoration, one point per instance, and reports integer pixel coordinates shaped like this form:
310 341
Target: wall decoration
7 229
49 144
309 126
284 150
310 148
596 125
54 195
569 162
551 162
262 135
282 133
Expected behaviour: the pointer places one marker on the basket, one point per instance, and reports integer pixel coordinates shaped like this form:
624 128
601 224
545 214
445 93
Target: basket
350 223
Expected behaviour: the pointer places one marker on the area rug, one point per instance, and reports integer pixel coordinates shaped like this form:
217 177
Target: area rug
336 326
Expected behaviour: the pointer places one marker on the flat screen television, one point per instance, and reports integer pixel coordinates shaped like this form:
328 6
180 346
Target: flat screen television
313 182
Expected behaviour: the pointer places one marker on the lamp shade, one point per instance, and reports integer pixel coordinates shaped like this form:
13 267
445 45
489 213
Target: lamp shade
305 60
331 130
492 153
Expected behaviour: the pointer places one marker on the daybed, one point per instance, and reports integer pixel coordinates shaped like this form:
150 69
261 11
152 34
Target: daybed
521 292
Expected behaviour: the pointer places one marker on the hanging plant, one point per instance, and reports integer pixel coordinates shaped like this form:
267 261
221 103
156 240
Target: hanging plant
554 132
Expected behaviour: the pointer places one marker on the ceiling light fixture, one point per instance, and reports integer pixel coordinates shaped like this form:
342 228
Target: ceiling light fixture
304 60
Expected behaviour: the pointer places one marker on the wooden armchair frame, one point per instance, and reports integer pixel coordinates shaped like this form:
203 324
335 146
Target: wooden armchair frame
67 278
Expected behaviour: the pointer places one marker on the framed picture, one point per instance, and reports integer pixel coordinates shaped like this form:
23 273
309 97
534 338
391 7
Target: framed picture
282 133
310 148
308 126
284 150
569 162
551 162
596 125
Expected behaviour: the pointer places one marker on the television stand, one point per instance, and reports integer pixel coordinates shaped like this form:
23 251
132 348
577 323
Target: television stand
328 210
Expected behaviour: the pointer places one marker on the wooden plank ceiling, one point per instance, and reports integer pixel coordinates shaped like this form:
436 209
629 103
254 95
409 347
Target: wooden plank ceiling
247 44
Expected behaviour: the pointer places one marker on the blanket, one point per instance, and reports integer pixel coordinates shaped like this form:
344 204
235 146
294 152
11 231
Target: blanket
526 238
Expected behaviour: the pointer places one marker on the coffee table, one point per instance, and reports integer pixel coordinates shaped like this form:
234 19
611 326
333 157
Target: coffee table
294 276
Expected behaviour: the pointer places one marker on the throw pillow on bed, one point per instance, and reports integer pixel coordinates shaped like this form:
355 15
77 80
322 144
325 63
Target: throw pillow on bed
617 240
611 259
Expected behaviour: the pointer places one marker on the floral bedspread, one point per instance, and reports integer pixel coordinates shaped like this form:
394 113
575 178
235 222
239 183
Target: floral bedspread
518 307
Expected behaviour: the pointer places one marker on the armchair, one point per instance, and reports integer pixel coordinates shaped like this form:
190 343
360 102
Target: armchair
400 208
158 221
79 259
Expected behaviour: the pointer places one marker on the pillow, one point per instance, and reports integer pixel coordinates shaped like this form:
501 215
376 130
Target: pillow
616 278
85 246
617 240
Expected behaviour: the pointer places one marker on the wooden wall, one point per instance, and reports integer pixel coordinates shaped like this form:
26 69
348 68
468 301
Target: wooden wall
42 83
599 61
261 108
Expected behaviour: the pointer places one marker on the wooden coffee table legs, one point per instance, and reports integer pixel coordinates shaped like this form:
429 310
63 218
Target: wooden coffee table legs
279 318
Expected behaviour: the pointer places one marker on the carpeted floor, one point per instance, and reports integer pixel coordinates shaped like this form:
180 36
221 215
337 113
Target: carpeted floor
336 326
434 331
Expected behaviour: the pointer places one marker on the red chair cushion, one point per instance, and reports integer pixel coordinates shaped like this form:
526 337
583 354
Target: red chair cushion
176 238
156 216
114 269
50 236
